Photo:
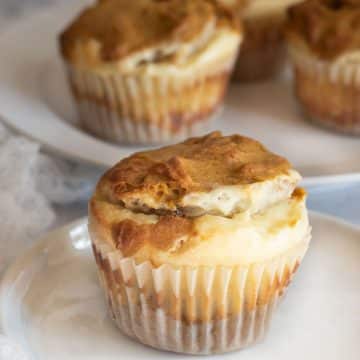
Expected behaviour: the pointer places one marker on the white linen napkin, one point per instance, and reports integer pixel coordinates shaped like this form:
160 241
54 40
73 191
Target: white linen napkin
24 210
9 350
31 184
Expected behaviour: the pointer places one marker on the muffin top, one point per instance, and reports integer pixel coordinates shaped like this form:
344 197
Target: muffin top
213 174
328 28
210 200
144 31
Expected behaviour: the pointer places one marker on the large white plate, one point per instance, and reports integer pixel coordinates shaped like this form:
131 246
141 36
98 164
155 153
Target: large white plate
34 99
50 301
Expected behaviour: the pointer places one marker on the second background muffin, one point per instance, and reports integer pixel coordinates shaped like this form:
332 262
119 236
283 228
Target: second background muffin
263 52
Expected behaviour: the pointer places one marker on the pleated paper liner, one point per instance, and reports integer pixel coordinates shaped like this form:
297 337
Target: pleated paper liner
328 92
195 310
148 108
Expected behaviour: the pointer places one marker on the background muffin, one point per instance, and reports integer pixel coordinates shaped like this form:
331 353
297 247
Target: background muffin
324 42
196 242
263 52
149 71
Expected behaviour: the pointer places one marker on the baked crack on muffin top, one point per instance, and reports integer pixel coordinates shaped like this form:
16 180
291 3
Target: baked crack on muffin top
197 176
329 28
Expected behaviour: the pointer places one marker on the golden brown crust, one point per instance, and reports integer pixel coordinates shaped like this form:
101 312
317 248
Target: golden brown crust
130 236
169 232
199 164
328 27
114 29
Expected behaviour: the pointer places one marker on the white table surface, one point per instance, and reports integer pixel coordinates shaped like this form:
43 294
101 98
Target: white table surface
342 200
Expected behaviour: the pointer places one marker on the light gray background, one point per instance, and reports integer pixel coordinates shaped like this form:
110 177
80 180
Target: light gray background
342 200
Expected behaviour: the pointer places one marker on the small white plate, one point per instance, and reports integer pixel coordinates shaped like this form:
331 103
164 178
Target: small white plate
36 101
50 301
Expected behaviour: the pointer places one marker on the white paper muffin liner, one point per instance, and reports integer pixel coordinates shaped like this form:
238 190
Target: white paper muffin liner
337 72
341 75
149 108
195 310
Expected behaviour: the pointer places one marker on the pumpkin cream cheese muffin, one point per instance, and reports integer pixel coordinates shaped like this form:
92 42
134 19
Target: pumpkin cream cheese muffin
150 71
196 242
263 51
324 43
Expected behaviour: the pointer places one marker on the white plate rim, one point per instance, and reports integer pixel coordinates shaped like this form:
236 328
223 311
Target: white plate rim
121 150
